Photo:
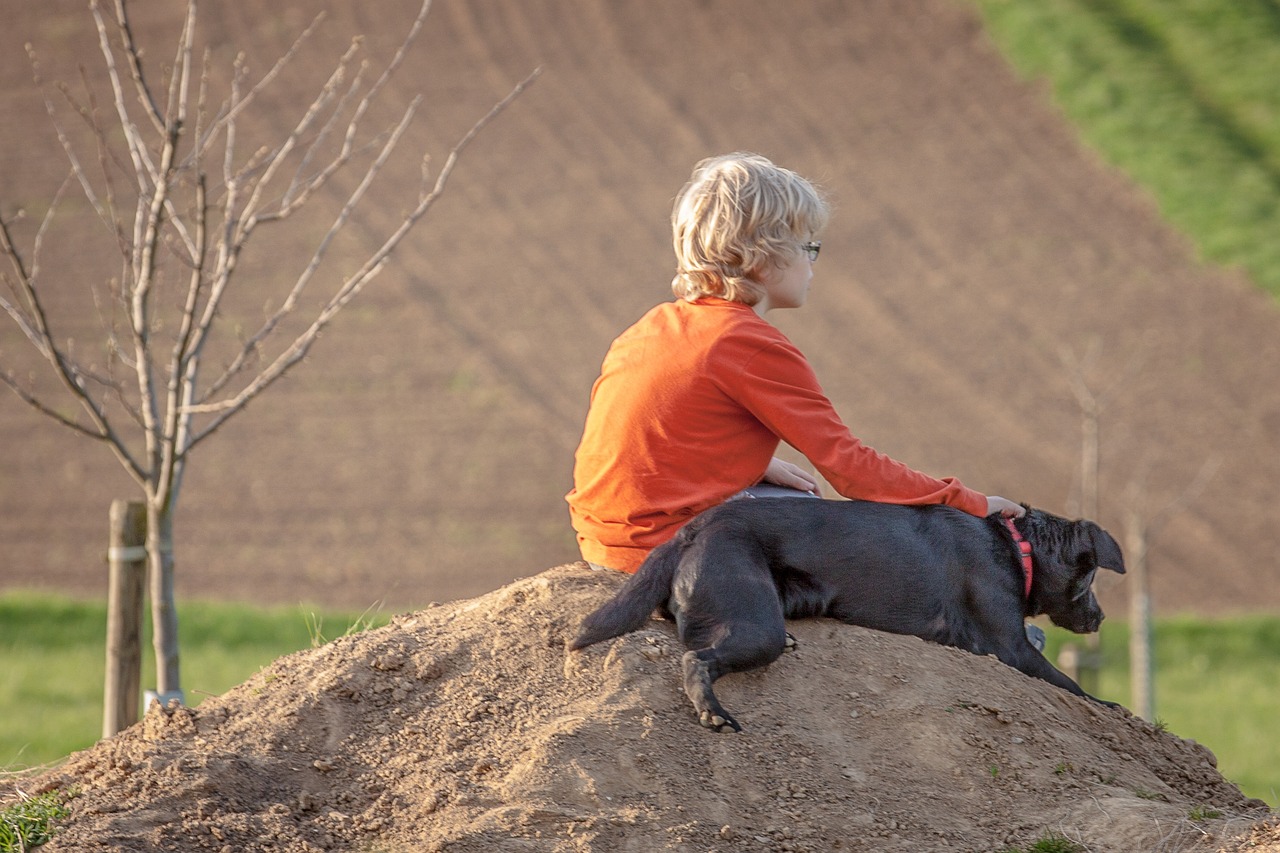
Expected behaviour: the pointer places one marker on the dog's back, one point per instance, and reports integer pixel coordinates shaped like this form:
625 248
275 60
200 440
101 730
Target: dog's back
892 568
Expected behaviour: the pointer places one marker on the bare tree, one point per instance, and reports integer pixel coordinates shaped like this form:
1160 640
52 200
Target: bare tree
1142 524
1092 402
181 202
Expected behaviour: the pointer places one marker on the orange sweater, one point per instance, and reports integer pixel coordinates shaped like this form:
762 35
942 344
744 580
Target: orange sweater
688 410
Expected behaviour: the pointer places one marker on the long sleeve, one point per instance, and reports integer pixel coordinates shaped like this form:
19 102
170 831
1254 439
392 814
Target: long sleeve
778 386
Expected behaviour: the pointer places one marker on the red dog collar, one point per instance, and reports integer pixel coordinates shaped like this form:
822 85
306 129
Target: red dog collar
1025 548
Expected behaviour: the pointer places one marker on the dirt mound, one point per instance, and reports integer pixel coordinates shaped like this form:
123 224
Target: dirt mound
468 727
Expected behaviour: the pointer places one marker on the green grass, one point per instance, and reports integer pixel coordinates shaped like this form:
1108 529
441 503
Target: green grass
52 663
1051 843
1179 94
30 822
1216 682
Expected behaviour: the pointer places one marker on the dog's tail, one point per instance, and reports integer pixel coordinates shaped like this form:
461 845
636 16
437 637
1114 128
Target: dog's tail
643 592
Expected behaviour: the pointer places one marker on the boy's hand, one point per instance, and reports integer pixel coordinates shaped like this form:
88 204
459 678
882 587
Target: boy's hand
783 473
1005 507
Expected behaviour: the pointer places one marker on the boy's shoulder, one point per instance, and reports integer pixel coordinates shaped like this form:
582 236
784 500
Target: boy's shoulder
713 312
710 324
735 334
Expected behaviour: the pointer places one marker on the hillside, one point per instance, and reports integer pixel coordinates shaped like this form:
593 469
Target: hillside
422 453
468 727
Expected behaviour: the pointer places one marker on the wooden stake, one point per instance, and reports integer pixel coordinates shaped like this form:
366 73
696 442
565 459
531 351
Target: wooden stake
127 558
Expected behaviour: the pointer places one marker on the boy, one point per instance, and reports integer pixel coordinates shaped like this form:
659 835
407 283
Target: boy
693 399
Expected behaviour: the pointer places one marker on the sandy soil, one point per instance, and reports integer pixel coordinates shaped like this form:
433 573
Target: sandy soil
468 727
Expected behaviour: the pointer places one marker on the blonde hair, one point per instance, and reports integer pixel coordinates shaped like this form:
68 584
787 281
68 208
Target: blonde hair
738 213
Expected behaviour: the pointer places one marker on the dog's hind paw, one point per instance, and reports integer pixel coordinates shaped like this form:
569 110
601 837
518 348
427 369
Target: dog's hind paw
719 722
790 644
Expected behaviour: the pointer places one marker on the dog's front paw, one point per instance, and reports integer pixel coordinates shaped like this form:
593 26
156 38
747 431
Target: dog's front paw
720 722
1036 637
790 644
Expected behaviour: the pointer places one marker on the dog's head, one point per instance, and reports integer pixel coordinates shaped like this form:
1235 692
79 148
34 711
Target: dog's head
1067 556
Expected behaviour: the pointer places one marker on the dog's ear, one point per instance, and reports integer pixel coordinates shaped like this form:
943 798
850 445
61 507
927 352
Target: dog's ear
1105 549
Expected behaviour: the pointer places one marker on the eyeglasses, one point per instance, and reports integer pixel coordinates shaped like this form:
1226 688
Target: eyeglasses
811 249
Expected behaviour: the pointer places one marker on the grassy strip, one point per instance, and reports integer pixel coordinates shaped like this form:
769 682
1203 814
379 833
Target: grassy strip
1216 682
52 662
1180 95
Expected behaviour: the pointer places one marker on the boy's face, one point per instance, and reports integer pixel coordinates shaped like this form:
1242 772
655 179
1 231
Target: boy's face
786 281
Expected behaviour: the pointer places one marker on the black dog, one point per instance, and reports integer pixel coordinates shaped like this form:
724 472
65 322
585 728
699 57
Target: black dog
732 575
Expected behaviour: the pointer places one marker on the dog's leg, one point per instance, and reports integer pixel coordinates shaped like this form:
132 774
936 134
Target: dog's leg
740 646
1031 662
700 671
729 617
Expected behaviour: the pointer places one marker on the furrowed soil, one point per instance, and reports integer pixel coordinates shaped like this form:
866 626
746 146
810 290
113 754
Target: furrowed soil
981 269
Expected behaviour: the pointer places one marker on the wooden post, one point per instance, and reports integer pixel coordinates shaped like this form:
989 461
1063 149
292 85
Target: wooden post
1090 664
1069 661
127 557
1141 662
1090 660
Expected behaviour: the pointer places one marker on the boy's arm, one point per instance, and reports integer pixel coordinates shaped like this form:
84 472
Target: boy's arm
779 387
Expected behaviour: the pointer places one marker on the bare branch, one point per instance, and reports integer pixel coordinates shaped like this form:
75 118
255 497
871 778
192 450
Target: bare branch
352 286
290 201
38 243
26 314
236 105
149 176
137 150
238 226
294 198
1091 400
134 57
34 402
77 171
180 81
24 322
276 159
291 300
376 89
308 185
1151 522
35 325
